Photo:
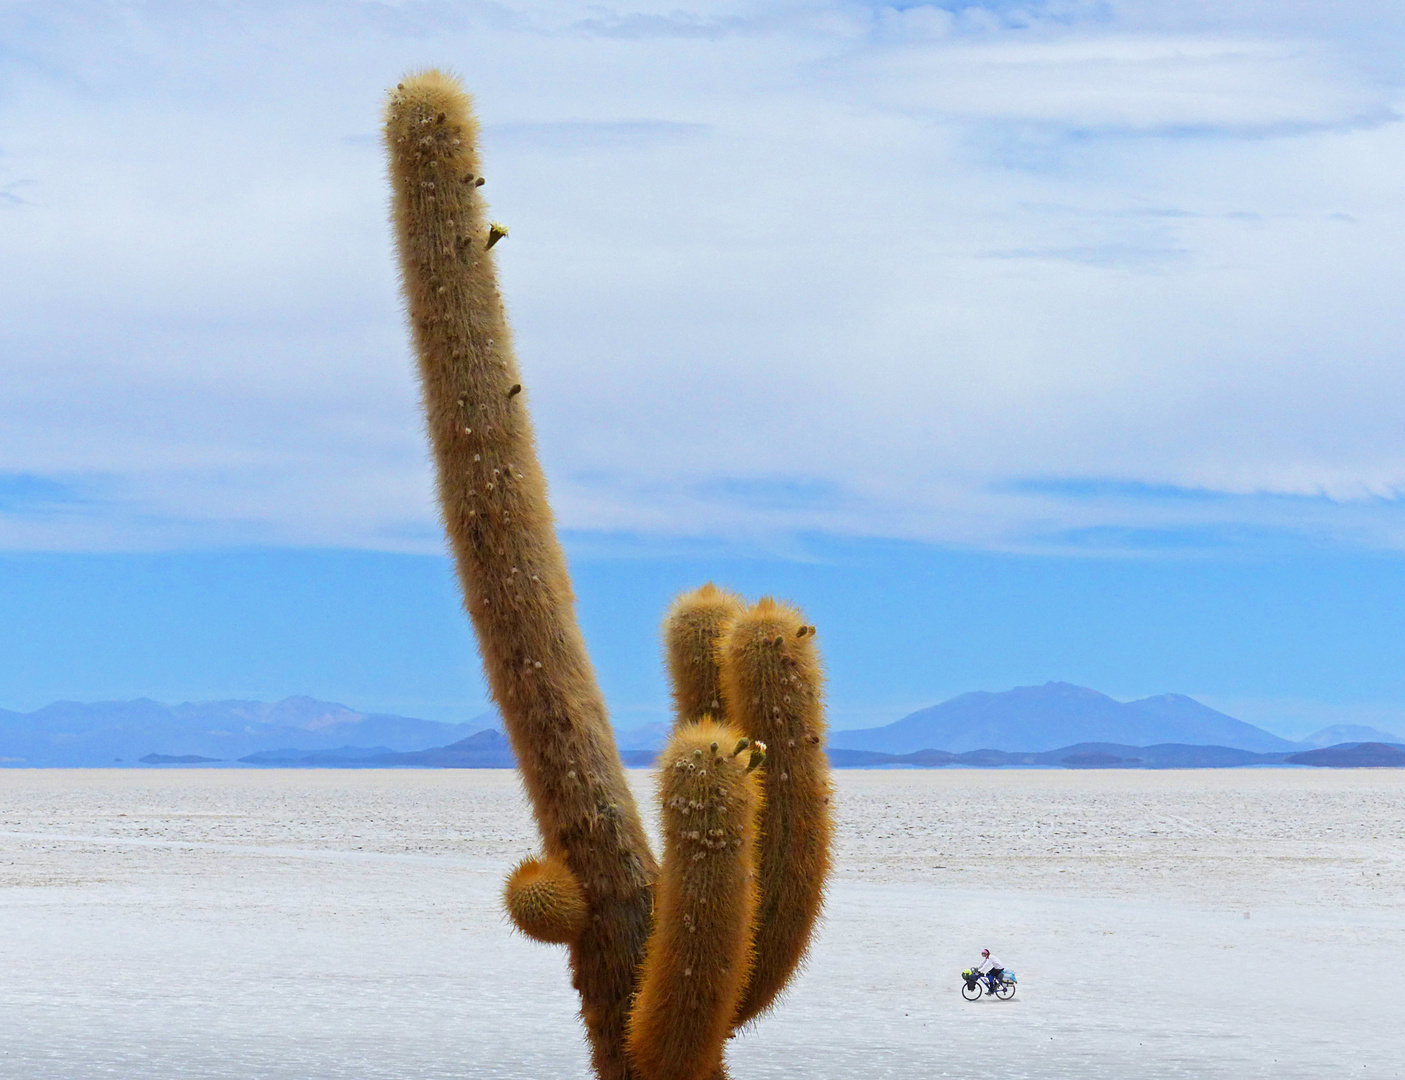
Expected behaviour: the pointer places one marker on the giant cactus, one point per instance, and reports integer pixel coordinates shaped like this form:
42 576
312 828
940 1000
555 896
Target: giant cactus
667 963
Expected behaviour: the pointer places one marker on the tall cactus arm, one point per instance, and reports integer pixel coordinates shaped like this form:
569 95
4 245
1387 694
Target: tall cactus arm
698 959
772 679
691 630
512 569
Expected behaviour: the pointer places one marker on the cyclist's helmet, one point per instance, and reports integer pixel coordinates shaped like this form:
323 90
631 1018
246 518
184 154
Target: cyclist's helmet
985 952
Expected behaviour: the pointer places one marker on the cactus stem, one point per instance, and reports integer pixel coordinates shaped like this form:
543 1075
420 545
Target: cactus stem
464 350
722 929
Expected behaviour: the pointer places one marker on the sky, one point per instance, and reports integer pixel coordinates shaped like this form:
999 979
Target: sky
1022 341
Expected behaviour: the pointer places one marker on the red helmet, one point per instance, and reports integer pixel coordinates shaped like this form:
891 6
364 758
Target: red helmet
985 952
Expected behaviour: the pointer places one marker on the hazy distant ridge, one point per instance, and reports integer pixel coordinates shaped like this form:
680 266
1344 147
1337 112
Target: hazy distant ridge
304 731
1349 733
74 733
1032 719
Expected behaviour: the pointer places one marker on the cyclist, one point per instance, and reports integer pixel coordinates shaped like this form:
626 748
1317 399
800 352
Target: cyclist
991 968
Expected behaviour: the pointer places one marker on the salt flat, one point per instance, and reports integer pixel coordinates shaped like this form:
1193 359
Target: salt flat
268 924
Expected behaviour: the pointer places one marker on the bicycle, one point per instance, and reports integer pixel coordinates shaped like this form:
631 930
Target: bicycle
974 984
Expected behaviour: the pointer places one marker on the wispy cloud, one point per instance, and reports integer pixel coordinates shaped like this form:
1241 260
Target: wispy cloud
637 26
859 269
588 136
27 494
1177 86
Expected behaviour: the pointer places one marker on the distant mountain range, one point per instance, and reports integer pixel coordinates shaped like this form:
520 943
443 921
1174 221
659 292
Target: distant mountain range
1056 720
488 749
69 733
1372 755
1042 718
1113 756
1349 733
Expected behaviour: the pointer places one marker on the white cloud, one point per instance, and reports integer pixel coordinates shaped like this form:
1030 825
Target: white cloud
1116 83
811 267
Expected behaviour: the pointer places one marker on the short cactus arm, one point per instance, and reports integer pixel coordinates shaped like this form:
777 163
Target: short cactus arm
772 679
699 956
545 901
691 630
513 572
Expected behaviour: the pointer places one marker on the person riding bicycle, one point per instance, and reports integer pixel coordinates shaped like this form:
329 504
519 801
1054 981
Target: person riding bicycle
991 968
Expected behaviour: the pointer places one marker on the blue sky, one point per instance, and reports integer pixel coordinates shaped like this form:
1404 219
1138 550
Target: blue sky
1091 302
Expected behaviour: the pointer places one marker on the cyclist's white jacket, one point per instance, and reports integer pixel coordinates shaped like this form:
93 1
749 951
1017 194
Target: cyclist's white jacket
989 964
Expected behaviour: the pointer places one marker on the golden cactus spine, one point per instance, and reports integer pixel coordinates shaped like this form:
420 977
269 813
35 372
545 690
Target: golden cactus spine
545 900
699 956
593 889
511 567
773 683
691 631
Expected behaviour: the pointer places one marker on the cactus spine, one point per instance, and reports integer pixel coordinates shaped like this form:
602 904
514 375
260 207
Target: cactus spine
699 956
545 900
691 630
727 893
771 676
511 567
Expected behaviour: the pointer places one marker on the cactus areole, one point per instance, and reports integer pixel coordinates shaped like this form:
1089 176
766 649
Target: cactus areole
668 962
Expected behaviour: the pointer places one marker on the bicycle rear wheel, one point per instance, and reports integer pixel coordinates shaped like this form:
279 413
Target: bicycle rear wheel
1005 991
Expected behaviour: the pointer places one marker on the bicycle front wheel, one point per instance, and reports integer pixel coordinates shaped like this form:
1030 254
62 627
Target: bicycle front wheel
971 991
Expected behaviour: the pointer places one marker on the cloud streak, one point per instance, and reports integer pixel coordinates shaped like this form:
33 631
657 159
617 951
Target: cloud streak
812 268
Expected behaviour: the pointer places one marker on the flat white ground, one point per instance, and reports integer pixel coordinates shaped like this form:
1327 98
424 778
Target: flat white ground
305 924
